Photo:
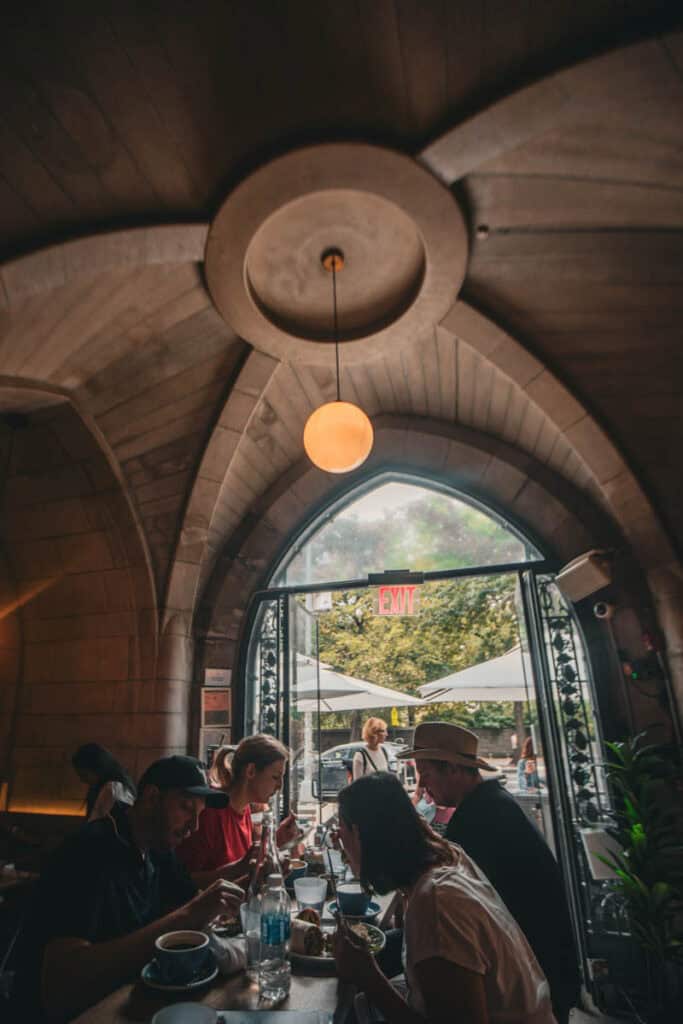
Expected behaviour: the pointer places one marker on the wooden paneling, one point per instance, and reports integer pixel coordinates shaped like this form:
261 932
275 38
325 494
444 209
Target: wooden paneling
603 308
114 110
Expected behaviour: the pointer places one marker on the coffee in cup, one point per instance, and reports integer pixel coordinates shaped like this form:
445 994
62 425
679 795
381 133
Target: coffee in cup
352 899
181 956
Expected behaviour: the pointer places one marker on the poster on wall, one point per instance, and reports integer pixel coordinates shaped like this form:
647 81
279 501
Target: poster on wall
216 705
217 676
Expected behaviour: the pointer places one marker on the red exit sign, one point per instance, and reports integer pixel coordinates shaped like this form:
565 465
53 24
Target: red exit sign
398 600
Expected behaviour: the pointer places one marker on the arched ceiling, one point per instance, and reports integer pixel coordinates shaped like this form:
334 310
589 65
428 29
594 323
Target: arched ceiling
116 112
572 187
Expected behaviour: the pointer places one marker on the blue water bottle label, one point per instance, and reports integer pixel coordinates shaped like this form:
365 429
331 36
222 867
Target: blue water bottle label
274 929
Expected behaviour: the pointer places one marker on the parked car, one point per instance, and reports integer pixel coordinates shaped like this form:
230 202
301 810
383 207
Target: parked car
336 768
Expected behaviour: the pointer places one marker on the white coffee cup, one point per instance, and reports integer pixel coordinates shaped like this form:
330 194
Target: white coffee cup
185 1013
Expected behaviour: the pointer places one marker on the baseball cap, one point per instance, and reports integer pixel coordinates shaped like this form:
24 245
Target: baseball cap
182 772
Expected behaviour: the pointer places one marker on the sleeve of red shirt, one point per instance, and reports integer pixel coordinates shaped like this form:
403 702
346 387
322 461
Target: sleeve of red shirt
202 850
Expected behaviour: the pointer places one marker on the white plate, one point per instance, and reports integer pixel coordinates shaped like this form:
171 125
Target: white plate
150 978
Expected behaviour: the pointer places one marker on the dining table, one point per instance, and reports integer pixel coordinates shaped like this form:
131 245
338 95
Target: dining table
312 988
136 1002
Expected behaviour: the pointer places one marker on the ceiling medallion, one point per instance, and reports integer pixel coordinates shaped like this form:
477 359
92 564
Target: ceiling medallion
402 233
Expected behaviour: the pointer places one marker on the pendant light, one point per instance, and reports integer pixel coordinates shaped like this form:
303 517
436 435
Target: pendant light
338 436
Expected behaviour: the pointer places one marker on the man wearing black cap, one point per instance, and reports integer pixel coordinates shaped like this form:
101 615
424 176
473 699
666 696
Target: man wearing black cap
112 889
496 833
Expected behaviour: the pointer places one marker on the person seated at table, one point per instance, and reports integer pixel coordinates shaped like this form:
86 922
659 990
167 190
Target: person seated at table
465 957
108 782
223 845
110 890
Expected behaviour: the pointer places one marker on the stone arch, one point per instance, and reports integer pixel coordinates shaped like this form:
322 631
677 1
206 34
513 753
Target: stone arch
613 483
502 477
84 258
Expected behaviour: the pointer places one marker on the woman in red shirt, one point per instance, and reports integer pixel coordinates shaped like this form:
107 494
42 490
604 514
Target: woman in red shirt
222 846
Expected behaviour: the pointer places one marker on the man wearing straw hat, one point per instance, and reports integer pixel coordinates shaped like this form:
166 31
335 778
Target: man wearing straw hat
496 833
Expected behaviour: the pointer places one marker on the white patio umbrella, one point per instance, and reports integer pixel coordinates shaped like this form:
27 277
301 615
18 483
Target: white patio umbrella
339 692
317 687
508 677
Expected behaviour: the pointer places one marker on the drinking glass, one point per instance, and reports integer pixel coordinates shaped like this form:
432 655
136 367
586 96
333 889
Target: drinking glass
251 926
310 892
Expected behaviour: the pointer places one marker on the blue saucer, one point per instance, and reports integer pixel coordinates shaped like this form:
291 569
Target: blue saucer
369 915
150 976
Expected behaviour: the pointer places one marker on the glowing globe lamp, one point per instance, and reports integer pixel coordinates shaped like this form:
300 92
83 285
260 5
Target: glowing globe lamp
338 437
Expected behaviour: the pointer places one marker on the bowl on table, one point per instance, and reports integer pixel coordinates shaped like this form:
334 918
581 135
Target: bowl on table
372 936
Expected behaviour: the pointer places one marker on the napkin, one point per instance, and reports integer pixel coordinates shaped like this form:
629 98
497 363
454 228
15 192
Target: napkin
230 954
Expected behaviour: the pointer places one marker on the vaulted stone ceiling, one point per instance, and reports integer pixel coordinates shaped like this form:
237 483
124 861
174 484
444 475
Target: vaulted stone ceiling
122 115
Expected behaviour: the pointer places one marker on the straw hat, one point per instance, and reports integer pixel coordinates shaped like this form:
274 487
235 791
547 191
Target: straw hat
441 741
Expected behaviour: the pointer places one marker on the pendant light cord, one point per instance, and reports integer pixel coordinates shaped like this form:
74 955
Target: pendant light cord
336 330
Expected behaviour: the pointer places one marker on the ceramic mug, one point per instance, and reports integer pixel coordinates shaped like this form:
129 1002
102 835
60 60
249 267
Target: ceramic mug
181 956
352 899
297 869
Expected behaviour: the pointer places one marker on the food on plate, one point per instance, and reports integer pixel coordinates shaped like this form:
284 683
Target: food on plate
371 936
306 938
227 926
309 914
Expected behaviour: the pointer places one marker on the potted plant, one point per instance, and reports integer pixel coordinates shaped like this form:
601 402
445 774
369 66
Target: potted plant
648 826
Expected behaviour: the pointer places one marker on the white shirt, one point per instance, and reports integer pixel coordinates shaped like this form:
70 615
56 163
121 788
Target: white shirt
455 914
374 761
111 793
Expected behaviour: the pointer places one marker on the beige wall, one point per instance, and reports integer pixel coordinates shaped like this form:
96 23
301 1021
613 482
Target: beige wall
87 668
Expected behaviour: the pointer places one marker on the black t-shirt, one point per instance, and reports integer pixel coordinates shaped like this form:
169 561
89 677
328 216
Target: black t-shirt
98 886
496 833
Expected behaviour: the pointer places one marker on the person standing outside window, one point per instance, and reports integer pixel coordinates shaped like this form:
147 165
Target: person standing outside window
527 768
372 757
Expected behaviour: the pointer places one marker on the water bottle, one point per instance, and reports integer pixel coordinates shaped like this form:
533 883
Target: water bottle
271 857
275 972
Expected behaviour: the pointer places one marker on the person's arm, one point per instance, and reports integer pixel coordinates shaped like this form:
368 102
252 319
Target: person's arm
357 765
77 973
106 798
288 830
236 871
450 992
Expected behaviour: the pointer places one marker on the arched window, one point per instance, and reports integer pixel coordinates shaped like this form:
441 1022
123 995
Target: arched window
400 522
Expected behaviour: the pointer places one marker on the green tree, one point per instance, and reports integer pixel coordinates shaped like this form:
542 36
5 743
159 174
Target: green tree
460 623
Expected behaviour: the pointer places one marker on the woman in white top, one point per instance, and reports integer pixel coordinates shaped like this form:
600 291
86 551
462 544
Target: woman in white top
108 782
372 757
465 957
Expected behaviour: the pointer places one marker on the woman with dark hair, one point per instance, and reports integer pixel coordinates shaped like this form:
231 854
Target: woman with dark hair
108 782
222 846
465 957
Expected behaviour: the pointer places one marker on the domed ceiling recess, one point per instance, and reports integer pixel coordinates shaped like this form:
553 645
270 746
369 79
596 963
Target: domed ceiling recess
402 234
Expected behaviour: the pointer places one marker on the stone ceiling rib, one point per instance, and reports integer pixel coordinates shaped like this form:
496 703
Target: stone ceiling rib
554 103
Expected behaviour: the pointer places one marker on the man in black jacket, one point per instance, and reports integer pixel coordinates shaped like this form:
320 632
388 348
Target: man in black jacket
495 832
110 890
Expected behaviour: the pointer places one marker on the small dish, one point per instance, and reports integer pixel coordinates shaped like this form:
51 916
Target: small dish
150 976
369 916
